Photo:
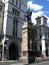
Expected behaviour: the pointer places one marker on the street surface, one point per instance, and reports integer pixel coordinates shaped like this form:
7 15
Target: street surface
9 63
41 63
14 63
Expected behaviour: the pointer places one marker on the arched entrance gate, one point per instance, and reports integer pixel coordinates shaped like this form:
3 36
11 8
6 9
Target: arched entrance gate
13 52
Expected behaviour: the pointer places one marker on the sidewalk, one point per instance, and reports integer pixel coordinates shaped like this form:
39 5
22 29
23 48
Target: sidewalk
10 61
39 59
15 62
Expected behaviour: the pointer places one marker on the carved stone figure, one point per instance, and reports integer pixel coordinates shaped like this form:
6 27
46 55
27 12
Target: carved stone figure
28 15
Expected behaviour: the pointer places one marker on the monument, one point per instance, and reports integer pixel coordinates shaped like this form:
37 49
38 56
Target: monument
27 55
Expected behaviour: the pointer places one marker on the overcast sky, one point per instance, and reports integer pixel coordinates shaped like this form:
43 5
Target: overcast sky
39 7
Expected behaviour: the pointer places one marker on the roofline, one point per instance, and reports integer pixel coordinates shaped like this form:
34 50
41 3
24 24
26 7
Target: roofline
36 26
40 17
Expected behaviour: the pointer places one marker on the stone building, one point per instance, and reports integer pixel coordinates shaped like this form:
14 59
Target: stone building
41 37
11 20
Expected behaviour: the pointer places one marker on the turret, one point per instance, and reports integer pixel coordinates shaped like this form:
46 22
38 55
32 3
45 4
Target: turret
41 20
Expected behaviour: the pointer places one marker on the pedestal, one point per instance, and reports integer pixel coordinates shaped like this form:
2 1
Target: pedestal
27 55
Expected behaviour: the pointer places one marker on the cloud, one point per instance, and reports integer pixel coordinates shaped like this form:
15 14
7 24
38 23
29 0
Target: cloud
34 7
47 0
37 11
35 15
46 12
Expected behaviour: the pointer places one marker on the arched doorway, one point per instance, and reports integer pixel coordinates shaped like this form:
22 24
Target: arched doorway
13 52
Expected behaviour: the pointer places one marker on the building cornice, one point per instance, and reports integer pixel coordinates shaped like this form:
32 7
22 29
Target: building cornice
41 39
15 6
8 36
37 26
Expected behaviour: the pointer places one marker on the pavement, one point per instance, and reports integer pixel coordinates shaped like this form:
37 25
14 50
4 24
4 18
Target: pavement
10 62
13 63
39 61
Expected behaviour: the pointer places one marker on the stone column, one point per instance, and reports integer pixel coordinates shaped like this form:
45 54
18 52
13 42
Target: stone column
43 43
43 48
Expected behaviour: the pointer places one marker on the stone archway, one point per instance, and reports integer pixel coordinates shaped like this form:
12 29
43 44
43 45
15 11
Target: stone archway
13 51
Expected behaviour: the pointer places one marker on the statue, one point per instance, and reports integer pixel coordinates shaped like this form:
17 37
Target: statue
28 15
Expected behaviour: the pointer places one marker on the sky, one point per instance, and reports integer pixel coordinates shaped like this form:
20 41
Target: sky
40 8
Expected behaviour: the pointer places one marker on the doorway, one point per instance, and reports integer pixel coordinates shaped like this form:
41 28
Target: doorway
13 52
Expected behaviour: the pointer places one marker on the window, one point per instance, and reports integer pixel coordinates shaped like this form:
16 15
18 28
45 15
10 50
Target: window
40 31
20 5
16 12
36 33
39 21
35 46
16 2
0 8
13 11
46 45
45 21
15 23
48 34
40 36
13 1
40 47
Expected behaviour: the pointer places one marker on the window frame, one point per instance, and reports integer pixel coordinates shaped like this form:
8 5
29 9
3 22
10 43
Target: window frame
15 27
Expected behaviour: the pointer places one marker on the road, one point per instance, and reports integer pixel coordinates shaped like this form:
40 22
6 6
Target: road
41 63
9 63
14 63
